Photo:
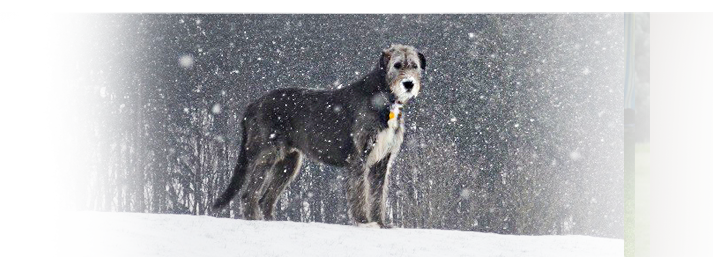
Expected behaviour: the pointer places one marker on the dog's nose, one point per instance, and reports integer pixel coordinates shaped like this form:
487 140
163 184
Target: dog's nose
408 85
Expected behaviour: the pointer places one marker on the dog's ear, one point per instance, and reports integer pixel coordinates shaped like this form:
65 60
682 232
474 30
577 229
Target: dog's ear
384 60
423 60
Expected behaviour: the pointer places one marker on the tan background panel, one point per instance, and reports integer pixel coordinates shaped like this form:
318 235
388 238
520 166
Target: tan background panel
681 130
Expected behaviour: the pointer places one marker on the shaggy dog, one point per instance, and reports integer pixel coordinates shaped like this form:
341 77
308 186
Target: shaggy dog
359 127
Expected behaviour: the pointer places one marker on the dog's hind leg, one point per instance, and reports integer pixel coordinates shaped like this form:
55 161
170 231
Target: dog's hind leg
257 178
283 173
379 183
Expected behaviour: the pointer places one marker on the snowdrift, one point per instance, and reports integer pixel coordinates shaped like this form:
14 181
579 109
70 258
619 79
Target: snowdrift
133 234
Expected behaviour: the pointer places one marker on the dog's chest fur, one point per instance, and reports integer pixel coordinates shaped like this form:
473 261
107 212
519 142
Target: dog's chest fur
387 140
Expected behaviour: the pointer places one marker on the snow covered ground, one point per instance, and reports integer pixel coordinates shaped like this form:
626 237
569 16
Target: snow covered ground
133 234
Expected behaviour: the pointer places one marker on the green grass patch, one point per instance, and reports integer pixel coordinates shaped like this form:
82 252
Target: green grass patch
629 194
643 197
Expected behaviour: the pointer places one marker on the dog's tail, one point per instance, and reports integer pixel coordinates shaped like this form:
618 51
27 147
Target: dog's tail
36 185
238 175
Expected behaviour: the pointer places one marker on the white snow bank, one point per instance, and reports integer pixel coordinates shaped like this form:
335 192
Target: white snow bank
133 234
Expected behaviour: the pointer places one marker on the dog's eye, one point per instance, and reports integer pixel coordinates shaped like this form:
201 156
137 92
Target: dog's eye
397 65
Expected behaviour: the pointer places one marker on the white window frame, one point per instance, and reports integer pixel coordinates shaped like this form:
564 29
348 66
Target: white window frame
29 71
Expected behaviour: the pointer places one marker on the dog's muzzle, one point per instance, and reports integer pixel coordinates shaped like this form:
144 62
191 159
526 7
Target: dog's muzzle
406 89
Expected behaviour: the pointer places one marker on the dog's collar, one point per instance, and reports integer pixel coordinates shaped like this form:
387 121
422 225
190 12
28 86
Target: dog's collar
395 106
395 110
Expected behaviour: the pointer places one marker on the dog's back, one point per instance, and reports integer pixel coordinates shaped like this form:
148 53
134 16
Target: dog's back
35 188
316 122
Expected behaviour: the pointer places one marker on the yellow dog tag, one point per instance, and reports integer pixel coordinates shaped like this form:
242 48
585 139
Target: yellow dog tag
395 110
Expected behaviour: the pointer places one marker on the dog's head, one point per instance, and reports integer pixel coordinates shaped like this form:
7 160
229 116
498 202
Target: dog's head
403 66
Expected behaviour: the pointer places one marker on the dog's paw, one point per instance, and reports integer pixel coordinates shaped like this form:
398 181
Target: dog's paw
369 225
386 226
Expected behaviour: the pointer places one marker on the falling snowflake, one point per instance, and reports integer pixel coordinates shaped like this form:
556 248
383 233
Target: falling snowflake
216 109
186 61
465 194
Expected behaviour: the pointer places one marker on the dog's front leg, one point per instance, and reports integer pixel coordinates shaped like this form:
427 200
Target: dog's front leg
358 192
378 181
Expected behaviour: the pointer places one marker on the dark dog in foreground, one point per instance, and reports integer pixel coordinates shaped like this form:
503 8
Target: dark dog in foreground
359 127
37 187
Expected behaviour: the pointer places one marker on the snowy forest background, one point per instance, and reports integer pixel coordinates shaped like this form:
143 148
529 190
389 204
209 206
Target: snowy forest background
518 129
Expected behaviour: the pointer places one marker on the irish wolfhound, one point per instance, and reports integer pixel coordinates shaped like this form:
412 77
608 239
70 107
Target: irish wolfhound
359 127
37 187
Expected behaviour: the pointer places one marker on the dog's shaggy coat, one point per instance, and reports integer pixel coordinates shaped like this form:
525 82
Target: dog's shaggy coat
359 127
37 187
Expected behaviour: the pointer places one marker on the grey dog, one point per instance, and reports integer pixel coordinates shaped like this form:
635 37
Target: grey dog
359 127
37 187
